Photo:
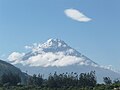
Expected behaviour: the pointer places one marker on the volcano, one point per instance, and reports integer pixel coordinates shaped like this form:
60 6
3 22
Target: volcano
56 55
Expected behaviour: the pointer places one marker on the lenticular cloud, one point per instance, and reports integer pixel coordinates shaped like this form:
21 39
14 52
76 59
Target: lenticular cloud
76 15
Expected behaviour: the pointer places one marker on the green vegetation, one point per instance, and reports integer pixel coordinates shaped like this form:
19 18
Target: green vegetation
64 81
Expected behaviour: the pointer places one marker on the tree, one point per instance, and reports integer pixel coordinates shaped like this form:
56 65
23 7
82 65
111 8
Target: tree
39 80
51 82
30 80
107 80
35 80
116 81
87 79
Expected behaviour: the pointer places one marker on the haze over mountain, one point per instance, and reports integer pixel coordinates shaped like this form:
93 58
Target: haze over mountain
56 55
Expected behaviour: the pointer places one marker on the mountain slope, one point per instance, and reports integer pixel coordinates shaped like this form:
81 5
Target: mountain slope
56 55
54 52
6 68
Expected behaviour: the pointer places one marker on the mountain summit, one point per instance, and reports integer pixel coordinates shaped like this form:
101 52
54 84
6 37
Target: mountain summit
56 55
53 52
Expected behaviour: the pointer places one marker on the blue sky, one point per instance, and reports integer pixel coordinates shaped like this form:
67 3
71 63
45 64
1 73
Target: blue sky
23 22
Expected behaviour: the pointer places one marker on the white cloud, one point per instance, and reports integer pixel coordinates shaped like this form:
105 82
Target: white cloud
28 47
15 57
41 55
44 55
76 15
50 59
46 59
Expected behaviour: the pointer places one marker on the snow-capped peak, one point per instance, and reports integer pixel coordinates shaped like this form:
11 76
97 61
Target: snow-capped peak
56 55
53 43
55 46
53 52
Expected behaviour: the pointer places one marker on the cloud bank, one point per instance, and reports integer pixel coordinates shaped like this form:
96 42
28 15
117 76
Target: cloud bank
37 57
50 53
76 15
51 59
16 57
46 59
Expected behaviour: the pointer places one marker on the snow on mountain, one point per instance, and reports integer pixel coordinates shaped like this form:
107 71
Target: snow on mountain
54 52
56 55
